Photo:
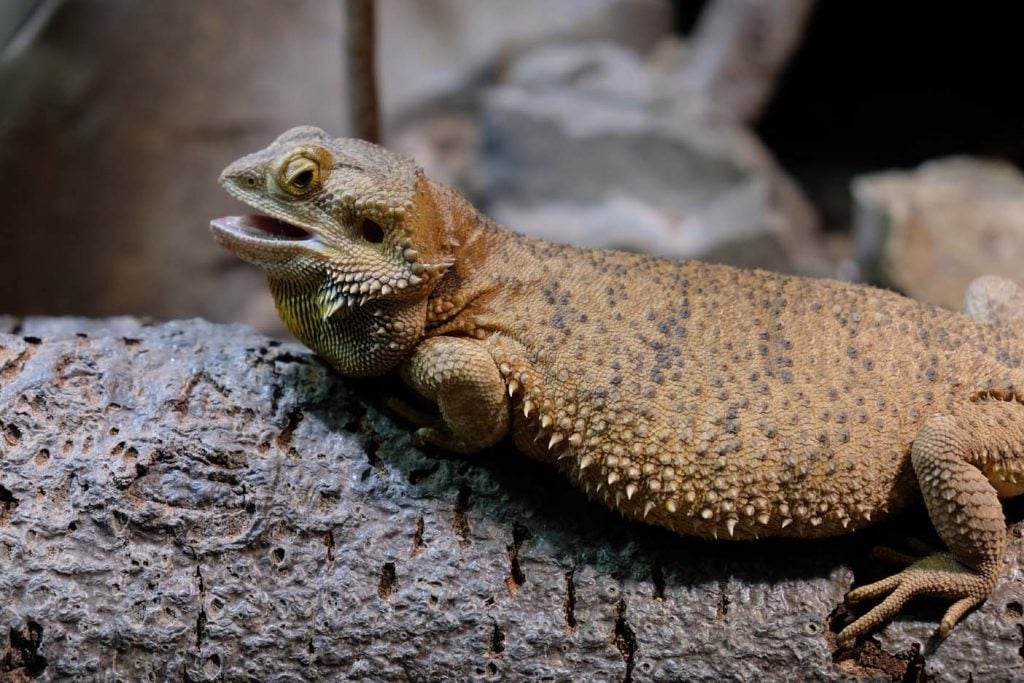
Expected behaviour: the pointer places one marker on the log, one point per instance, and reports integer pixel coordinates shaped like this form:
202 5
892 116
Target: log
191 501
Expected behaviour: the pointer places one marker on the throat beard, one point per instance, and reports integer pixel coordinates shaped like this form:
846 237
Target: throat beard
359 341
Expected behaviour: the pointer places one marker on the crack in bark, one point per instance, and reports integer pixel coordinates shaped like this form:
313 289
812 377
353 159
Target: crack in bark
569 604
460 524
625 640
201 617
516 578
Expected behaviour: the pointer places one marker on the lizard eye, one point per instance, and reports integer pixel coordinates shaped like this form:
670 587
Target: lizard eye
302 179
370 230
300 175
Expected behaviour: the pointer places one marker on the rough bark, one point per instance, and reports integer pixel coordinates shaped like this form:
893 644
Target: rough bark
189 501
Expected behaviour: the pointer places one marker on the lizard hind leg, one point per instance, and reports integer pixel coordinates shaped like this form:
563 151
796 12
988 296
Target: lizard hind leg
962 462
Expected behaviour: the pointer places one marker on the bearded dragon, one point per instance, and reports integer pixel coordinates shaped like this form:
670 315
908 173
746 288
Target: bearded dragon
713 401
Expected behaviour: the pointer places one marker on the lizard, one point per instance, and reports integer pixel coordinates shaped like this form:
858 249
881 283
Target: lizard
713 401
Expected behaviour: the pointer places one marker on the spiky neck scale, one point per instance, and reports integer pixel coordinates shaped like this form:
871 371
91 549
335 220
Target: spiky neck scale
363 341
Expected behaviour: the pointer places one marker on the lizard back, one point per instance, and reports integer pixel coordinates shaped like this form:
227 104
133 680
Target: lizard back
717 401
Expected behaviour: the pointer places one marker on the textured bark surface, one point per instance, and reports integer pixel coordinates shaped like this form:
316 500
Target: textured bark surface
189 501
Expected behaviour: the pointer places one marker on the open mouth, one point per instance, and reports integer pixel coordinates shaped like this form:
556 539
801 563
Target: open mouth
262 228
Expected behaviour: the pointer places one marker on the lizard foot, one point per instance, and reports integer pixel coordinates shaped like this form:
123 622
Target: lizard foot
432 429
938 575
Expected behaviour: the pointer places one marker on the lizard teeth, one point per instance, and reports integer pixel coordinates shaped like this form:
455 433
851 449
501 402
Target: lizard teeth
730 524
576 440
545 421
585 462
528 407
513 387
556 439
670 505
612 478
630 491
364 287
648 506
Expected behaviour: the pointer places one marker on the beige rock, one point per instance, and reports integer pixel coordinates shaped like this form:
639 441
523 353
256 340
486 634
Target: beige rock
991 298
931 231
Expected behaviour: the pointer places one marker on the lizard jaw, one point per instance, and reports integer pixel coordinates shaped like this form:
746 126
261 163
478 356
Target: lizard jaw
269 242
258 239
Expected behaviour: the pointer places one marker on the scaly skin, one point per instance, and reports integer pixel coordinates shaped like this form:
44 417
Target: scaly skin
717 402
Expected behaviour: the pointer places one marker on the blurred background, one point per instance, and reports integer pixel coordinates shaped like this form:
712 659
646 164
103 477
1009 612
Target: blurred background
871 141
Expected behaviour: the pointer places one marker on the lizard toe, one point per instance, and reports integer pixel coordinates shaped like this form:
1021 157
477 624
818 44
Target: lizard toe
938 575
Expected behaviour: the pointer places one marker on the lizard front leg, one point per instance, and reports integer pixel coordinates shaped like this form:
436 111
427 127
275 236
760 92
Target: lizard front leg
462 378
964 463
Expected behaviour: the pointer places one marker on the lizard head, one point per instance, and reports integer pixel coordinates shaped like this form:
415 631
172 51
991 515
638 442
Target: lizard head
344 236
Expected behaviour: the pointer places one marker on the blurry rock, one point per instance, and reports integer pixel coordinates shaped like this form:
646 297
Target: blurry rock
594 145
48 328
739 51
445 143
991 298
931 231
441 48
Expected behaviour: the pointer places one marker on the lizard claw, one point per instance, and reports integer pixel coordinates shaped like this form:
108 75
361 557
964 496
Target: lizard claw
939 575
